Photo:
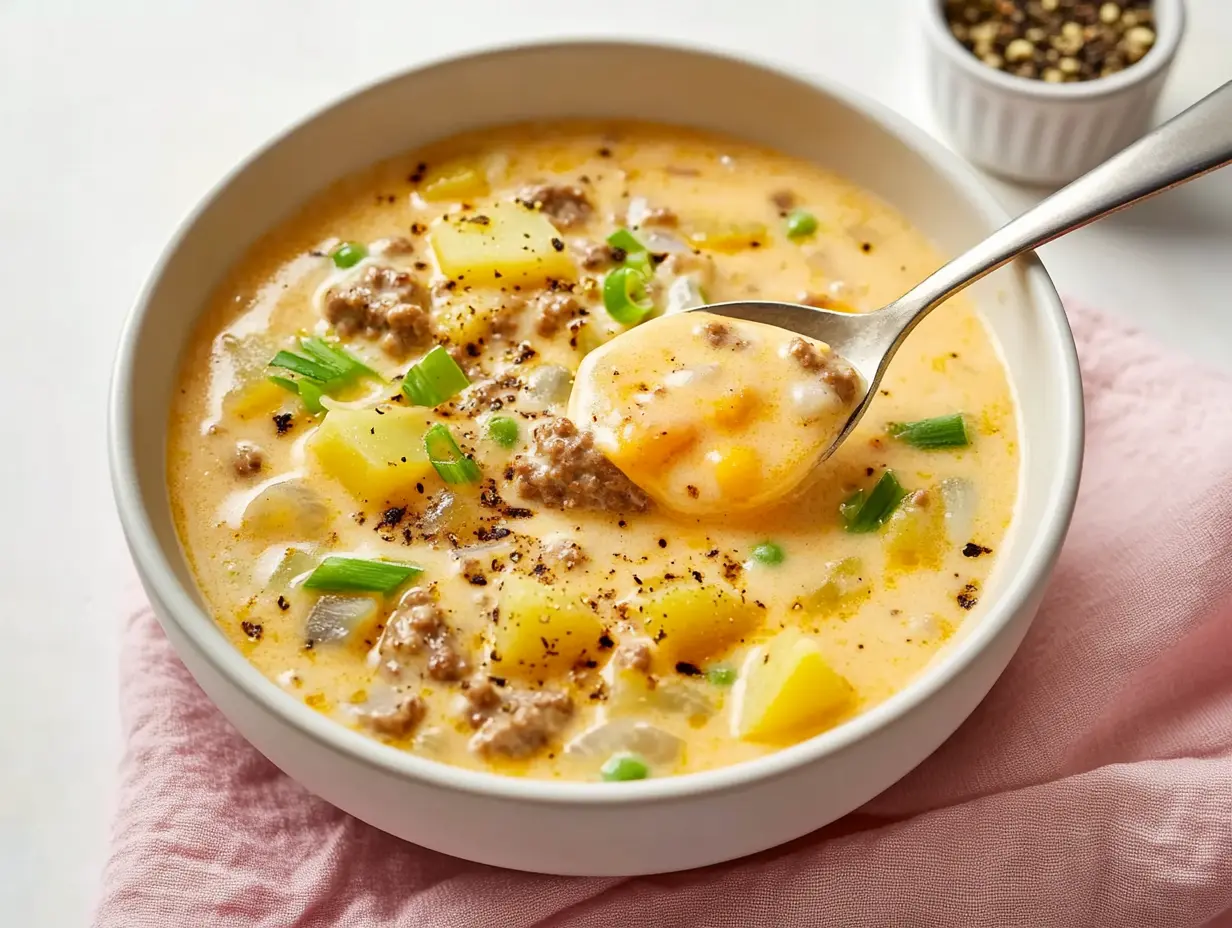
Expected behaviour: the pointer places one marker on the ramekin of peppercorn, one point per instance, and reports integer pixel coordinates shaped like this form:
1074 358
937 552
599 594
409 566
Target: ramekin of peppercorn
1043 90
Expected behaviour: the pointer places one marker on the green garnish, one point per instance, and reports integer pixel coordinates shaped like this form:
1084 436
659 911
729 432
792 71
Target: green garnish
349 254
305 367
434 379
636 254
939 432
767 553
503 430
625 297
322 368
339 359
447 458
625 766
801 223
867 512
308 391
357 575
721 675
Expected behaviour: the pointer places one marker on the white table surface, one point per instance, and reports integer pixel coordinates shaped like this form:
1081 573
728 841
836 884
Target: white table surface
116 117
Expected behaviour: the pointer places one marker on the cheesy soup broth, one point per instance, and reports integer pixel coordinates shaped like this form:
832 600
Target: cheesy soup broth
425 530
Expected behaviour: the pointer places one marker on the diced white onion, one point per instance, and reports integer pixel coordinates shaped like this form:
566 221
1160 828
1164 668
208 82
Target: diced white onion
333 618
604 740
961 500
683 293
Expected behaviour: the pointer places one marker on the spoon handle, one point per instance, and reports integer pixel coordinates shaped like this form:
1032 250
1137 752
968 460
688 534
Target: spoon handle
1192 143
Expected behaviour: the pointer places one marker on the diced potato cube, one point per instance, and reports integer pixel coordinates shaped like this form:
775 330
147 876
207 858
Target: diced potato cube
466 320
693 623
915 535
843 592
790 690
500 244
541 631
257 399
377 456
455 180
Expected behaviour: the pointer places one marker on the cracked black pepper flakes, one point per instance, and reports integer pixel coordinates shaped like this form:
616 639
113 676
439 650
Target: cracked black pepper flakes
971 549
253 630
968 597
1056 41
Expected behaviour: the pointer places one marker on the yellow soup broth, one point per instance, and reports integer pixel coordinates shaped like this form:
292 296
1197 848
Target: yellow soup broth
592 598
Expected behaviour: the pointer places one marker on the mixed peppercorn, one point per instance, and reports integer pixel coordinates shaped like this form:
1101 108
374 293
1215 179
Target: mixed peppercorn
1057 41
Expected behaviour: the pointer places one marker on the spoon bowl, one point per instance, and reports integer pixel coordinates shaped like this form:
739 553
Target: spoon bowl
1195 142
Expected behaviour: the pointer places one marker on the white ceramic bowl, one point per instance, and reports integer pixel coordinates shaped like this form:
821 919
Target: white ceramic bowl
1028 130
653 825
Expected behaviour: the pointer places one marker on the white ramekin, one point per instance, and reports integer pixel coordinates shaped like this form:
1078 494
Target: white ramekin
659 824
1032 131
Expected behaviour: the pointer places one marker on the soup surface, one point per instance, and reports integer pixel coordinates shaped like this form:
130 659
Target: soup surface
402 508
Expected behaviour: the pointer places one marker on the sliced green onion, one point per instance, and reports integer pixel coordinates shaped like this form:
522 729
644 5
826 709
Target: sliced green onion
354 575
625 297
851 505
434 379
339 358
939 432
447 458
311 392
721 675
349 254
875 507
503 430
626 241
768 553
624 766
305 367
285 382
801 223
637 256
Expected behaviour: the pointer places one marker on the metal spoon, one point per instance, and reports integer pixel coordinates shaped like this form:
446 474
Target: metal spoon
1193 143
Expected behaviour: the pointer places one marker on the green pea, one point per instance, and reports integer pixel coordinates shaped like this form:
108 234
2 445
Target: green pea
801 223
768 553
620 767
349 254
503 430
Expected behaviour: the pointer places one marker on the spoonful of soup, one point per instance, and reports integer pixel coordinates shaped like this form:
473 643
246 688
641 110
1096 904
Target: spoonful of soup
730 406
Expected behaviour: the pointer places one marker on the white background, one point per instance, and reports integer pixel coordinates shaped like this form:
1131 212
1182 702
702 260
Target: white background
115 117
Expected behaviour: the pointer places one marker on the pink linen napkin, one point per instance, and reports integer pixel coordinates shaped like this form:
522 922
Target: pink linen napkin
1093 787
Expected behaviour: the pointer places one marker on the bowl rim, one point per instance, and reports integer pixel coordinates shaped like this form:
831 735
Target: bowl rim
154 565
1169 23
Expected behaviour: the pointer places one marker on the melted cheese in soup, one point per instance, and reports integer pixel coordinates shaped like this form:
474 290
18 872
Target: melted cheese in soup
506 510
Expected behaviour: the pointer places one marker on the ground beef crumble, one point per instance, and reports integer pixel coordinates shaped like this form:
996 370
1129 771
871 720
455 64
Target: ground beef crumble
721 335
249 459
554 309
398 720
565 471
594 256
385 304
564 552
567 206
416 626
834 371
634 654
514 723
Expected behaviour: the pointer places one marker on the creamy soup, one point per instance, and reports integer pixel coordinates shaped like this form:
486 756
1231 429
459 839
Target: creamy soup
457 462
